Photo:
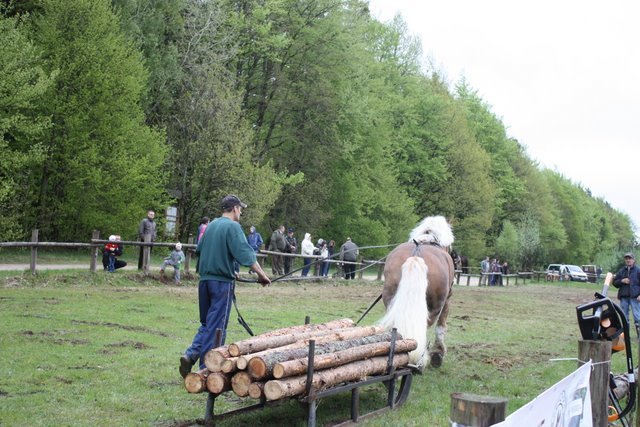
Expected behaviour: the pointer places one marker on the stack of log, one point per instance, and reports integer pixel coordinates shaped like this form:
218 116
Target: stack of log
274 365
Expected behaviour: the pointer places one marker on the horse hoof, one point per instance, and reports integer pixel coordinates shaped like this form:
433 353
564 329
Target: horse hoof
435 360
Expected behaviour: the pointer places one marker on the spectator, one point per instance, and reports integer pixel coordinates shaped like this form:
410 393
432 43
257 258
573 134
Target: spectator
147 227
291 247
504 269
201 227
324 255
255 241
331 249
110 254
175 259
627 280
223 243
348 255
277 243
485 266
495 268
307 252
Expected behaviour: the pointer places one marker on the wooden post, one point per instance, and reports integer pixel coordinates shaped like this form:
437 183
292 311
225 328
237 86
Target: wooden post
146 254
597 352
94 252
359 268
380 270
34 251
187 256
468 279
471 410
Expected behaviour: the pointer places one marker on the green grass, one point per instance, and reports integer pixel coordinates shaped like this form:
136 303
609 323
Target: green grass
102 349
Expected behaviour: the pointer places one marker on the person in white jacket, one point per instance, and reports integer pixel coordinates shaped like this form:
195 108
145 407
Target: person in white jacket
307 251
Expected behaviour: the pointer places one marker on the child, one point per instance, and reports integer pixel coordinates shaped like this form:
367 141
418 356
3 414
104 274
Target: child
176 258
110 250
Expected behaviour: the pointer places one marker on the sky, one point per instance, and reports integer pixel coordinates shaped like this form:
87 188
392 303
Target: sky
562 75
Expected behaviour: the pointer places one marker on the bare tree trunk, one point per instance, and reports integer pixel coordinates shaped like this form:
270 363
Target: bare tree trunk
214 358
240 383
285 336
293 386
218 383
339 335
196 382
262 366
299 366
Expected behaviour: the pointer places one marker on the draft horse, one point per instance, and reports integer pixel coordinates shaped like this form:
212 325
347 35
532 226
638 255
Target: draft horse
418 281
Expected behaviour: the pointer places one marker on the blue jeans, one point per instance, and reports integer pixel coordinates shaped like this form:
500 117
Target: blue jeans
307 266
215 299
324 268
635 308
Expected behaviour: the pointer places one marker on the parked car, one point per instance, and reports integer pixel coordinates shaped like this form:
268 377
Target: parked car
591 271
566 272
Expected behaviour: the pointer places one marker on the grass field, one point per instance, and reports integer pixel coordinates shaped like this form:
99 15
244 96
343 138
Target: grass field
102 349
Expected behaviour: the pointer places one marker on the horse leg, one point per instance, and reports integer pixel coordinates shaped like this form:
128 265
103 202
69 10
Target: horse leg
438 349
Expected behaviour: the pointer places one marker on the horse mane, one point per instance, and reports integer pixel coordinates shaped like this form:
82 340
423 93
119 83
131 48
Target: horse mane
433 229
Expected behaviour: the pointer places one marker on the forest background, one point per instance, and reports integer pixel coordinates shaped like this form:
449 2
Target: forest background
316 114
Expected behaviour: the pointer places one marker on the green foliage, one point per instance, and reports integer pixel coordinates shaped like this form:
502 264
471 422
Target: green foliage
22 121
102 165
529 251
507 243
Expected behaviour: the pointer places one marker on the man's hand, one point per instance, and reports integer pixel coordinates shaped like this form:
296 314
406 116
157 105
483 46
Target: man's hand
625 280
264 280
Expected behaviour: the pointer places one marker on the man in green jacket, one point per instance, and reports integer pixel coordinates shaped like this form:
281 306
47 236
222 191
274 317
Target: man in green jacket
222 242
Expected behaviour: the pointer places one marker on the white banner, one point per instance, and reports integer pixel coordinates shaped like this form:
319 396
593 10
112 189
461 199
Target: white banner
566 404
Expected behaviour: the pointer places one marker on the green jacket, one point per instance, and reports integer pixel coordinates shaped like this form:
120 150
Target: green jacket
223 242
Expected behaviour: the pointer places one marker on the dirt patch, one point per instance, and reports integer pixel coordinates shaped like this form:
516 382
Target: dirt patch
119 326
43 333
63 341
64 380
3 393
132 344
502 364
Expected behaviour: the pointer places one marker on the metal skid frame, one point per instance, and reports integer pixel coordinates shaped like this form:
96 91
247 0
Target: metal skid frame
311 397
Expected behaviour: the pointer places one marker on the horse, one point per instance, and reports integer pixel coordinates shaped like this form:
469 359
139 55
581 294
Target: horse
418 281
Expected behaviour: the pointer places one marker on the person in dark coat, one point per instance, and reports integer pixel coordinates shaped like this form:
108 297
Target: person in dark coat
627 280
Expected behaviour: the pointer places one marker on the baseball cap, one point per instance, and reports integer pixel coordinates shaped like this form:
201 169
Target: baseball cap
629 255
230 201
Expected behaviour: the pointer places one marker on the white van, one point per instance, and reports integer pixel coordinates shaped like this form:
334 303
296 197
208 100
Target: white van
566 272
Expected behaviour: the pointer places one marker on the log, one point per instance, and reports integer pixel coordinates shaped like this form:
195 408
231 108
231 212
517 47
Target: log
262 366
229 365
474 410
284 336
293 386
337 335
240 383
218 382
196 382
256 390
213 358
290 368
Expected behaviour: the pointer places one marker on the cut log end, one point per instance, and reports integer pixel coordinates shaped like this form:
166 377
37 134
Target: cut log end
257 368
218 383
240 383
274 390
234 350
256 390
195 382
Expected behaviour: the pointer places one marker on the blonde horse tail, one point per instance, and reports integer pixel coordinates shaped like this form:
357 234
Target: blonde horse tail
407 311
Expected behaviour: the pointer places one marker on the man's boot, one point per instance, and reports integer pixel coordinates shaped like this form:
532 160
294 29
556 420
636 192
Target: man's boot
186 363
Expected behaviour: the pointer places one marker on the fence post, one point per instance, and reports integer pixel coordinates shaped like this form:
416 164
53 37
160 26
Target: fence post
380 270
146 254
471 410
187 256
94 252
34 251
359 267
598 352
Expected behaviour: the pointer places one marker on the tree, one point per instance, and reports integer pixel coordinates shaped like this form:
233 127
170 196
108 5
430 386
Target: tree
507 244
102 164
22 121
